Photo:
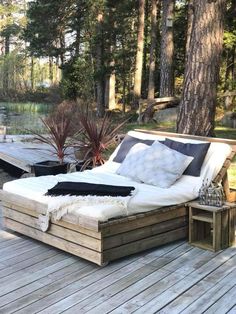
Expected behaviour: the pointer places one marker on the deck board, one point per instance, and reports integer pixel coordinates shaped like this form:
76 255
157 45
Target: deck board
24 154
175 278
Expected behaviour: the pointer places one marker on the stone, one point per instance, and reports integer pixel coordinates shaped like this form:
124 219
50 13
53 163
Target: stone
166 115
228 121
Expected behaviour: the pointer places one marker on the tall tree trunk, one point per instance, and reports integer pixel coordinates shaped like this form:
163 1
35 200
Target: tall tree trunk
139 56
167 50
62 46
7 45
51 76
32 73
144 83
198 103
77 42
189 28
6 63
152 61
99 65
57 70
110 94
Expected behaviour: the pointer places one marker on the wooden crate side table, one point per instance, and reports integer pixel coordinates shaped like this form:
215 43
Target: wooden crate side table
210 227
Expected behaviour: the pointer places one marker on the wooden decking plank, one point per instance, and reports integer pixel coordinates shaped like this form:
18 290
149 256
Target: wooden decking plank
225 303
5 235
171 294
28 278
110 303
24 155
26 255
90 279
10 242
13 277
19 299
171 249
116 287
144 274
131 284
94 277
14 252
41 255
232 311
210 296
124 277
15 246
147 295
193 281
57 275
217 277
32 289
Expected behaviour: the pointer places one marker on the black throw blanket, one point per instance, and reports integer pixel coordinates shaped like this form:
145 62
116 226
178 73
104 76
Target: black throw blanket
83 188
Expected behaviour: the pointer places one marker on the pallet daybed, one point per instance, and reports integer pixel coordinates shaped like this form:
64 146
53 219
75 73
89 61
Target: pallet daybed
101 242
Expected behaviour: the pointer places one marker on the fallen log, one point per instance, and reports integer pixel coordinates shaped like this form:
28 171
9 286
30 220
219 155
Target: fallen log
153 105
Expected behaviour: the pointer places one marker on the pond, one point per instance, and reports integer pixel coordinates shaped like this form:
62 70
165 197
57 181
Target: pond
18 117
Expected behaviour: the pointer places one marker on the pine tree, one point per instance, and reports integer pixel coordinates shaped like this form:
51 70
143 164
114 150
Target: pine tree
167 50
139 55
198 103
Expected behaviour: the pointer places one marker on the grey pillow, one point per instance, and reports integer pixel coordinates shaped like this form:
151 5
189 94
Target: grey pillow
127 143
197 151
157 165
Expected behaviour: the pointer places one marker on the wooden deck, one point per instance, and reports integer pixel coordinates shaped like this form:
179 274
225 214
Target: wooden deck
176 278
24 154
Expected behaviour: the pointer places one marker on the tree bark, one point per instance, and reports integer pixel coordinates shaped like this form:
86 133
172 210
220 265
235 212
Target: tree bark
152 60
139 56
51 76
189 29
32 73
99 65
6 63
167 50
110 95
198 103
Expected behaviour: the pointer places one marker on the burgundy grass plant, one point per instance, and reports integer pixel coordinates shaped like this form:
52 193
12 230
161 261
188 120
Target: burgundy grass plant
59 127
96 136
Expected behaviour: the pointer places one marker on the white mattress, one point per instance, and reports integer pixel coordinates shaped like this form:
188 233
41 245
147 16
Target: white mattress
147 197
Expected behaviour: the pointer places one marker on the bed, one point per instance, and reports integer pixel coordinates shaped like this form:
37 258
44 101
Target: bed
152 217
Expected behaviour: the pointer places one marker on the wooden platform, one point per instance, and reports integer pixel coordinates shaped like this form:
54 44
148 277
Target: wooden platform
24 154
171 279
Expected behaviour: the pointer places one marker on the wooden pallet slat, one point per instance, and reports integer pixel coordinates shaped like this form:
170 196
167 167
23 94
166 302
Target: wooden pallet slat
101 242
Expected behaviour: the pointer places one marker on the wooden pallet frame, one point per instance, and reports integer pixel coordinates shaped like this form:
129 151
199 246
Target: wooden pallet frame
103 242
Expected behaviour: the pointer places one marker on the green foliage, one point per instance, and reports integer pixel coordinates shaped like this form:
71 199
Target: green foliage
67 33
229 39
180 31
77 81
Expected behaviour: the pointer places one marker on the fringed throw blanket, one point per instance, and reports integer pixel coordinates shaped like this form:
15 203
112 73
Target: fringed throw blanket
67 197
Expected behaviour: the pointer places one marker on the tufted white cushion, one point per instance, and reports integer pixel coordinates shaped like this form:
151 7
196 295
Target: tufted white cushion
156 165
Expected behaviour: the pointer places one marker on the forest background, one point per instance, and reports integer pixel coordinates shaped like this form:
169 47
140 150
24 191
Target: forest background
106 53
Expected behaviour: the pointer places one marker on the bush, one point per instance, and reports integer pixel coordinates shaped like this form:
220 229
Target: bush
77 81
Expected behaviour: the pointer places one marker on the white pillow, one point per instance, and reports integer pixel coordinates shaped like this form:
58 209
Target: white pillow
134 157
156 165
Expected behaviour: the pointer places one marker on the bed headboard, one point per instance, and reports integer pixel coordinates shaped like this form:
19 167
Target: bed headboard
222 176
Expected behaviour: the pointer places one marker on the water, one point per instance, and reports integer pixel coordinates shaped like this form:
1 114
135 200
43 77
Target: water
20 117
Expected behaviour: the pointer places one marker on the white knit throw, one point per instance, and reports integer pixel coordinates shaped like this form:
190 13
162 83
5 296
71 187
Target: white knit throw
58 206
